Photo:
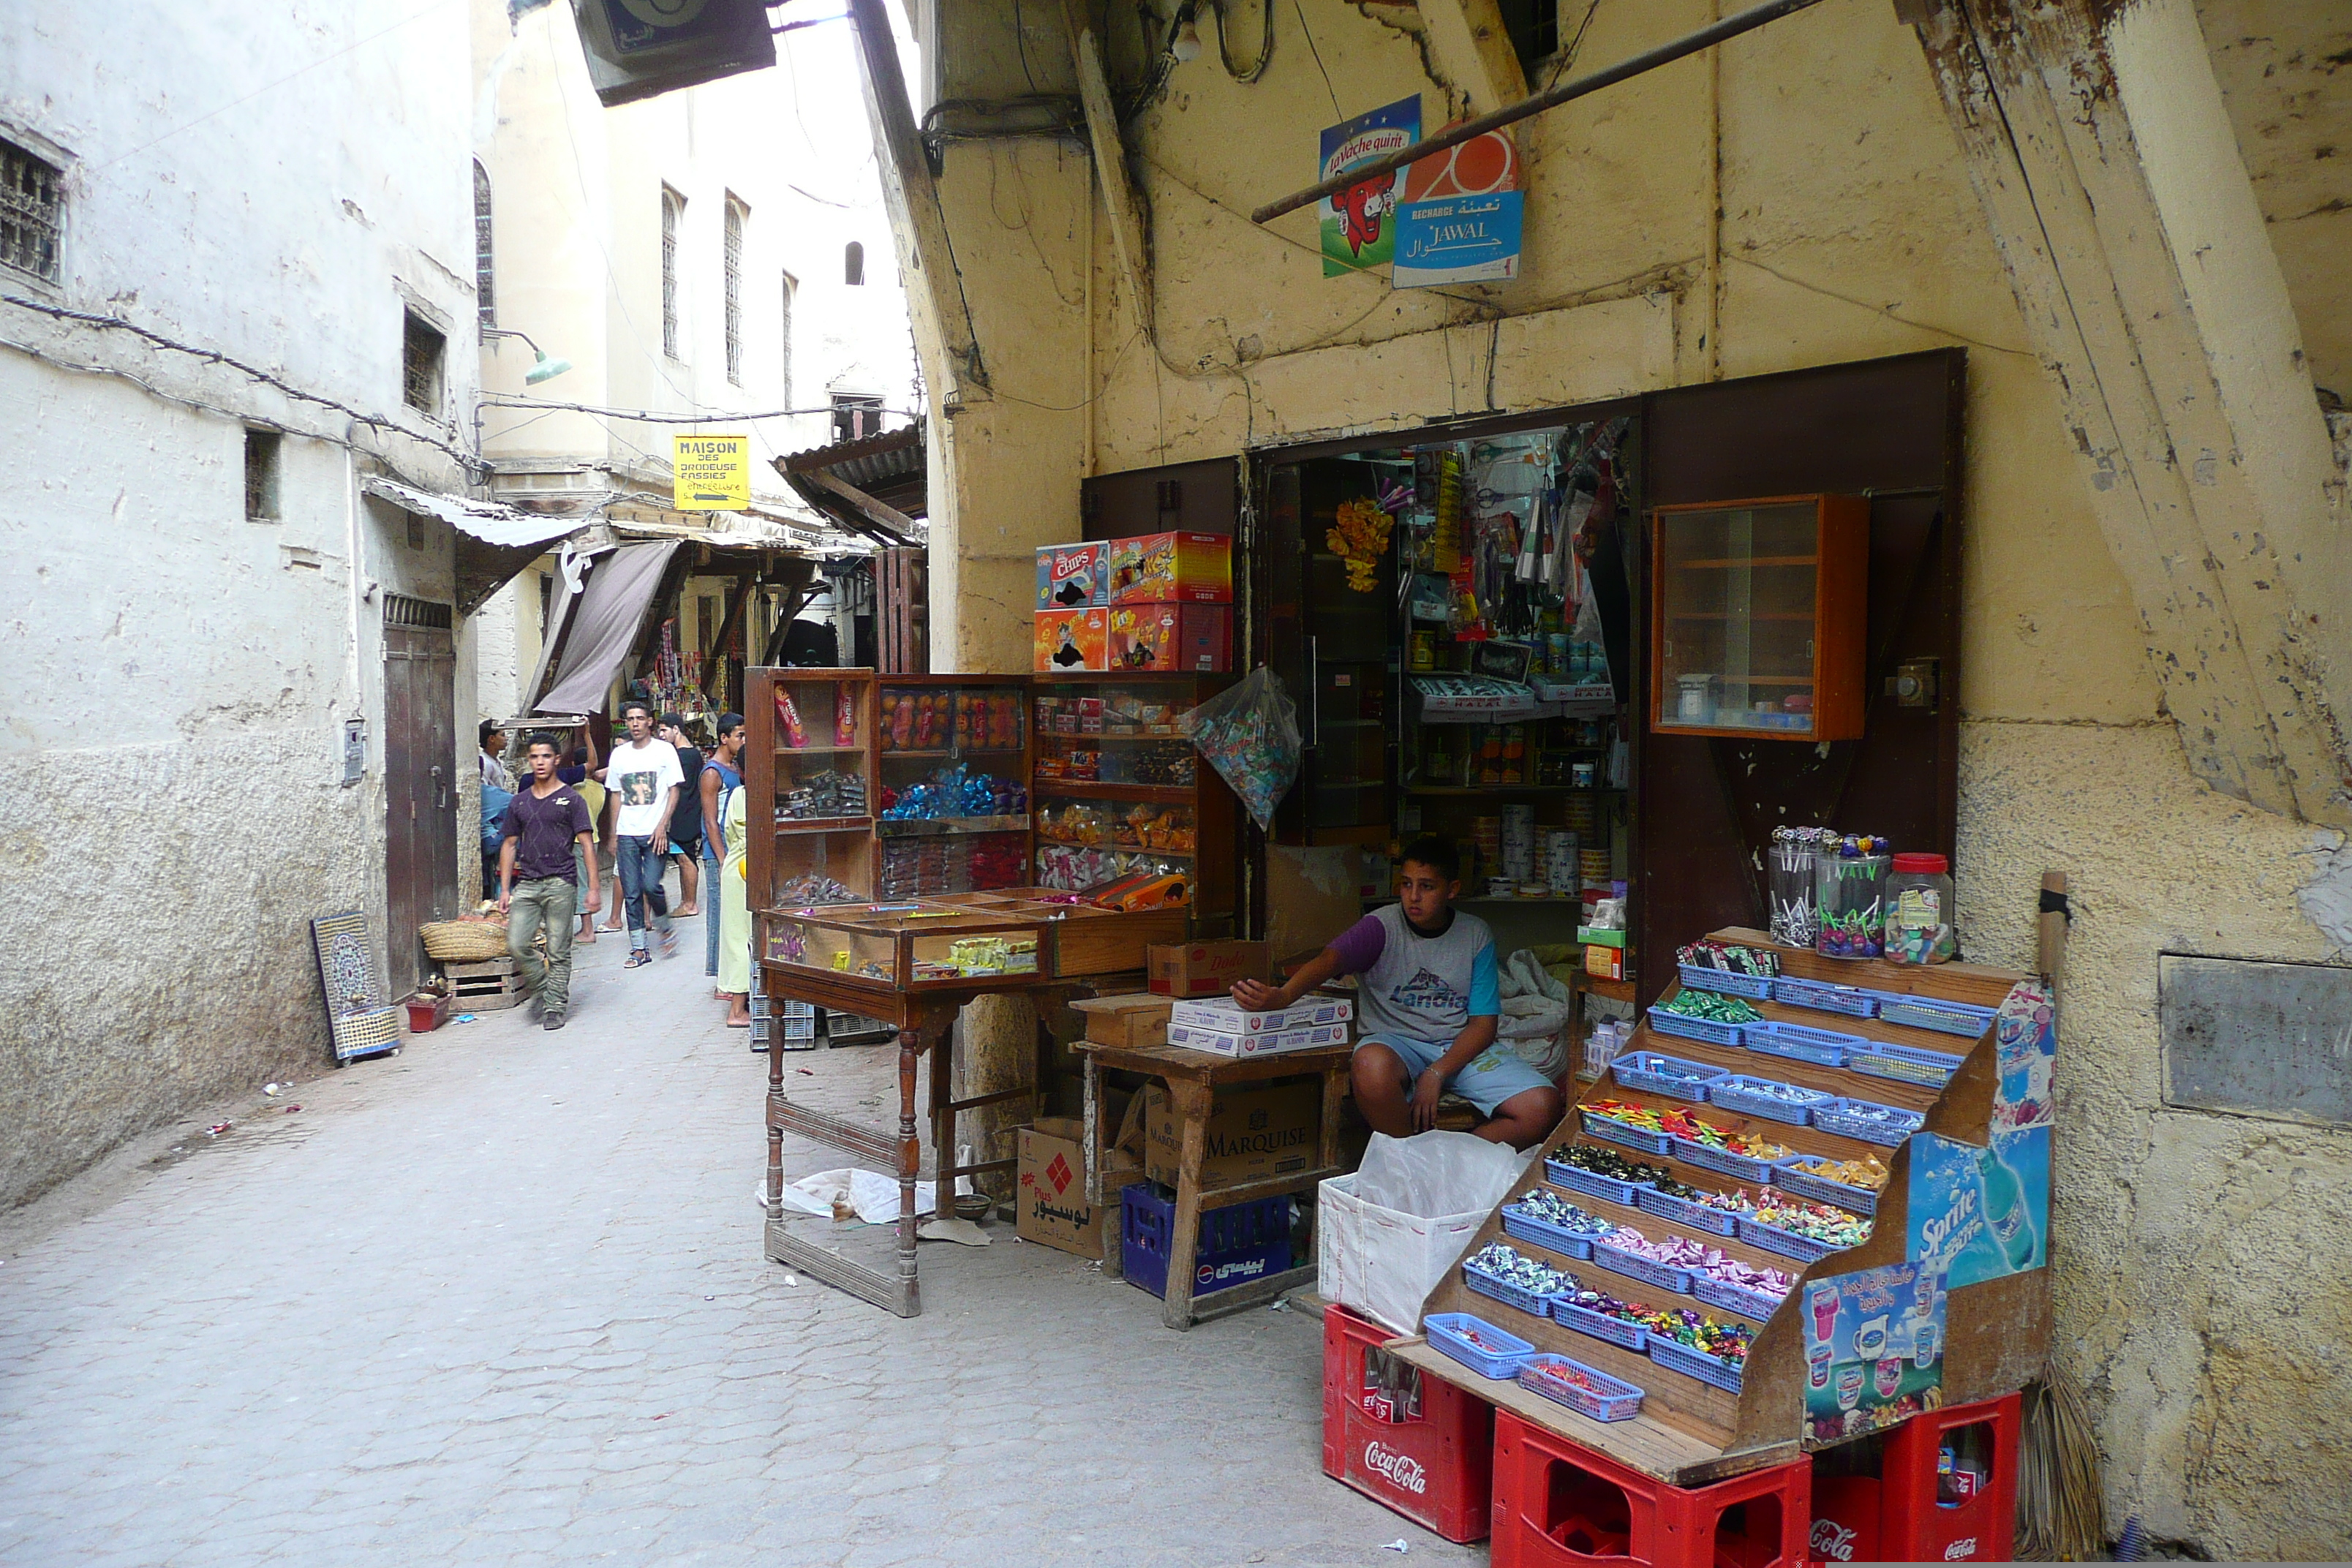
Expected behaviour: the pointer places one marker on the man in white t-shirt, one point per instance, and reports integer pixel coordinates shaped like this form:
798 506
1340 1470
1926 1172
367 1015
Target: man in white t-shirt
644 779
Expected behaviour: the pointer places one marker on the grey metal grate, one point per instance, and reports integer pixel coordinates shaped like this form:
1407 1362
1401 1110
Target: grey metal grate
32 212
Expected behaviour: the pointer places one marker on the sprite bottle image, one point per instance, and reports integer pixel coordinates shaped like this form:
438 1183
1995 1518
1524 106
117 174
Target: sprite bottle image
2004 1210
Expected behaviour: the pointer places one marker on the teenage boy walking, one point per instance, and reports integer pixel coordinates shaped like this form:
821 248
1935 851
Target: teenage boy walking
1426 1009
546 823
644 780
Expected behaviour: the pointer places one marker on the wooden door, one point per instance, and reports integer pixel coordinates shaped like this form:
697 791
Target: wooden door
421 780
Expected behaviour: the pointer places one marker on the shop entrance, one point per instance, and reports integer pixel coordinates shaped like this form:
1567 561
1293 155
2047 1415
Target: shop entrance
420 787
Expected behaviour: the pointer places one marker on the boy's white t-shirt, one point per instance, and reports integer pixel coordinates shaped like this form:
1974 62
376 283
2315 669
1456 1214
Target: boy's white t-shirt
636 778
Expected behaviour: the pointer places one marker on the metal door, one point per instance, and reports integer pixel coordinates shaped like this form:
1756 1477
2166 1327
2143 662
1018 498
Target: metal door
420 778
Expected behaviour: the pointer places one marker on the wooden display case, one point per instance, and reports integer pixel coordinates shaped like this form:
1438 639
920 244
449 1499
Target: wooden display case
812 782
1757 616
908 947
1086 940
928 724
1116 788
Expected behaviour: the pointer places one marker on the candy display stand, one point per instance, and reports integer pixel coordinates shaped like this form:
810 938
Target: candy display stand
932 733
1691 1432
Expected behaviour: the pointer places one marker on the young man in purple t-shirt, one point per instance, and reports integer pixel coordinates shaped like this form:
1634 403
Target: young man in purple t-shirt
544 822
1427 1006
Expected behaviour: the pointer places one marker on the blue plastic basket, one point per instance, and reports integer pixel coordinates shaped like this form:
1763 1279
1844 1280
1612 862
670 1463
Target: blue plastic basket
1690 1028
1851 1000
1786 1243
1615 1401
1802 1043
1932 1013
1444 1331
1681 1358
1722 1162
1519 1223
1736 1092
1634 1267
1741 1299
1592 1184
1600 1325
1624 1134
1686 1213
1654 1072
1508 1294
1905 1064
1820 1189
1730 982
1838 1117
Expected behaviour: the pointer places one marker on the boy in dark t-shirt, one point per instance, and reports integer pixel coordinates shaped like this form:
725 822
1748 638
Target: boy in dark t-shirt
544 823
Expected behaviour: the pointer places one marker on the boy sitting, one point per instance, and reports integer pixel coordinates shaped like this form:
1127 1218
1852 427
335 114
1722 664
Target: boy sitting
1425 1010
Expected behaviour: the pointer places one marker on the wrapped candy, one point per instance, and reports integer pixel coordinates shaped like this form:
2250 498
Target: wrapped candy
1509 1264
1549 1206
1249 733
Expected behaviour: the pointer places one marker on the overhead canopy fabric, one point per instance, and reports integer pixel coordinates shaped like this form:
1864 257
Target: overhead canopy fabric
602 627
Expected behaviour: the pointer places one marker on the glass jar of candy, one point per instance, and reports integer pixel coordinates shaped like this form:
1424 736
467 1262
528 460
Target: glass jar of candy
1789 868
1920 911
1849 897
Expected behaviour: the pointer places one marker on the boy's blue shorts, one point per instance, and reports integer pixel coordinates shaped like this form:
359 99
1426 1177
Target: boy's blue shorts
1494 1075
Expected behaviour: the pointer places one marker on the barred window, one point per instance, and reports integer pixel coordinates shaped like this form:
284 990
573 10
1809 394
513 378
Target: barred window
32 212
732 261
856 416
791 287
671 206
421 347
485 293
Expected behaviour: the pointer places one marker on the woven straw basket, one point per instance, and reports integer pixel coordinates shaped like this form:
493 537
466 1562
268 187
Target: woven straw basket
465 941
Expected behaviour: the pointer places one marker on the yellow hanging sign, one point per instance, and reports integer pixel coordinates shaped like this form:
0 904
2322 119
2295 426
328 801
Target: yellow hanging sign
711 473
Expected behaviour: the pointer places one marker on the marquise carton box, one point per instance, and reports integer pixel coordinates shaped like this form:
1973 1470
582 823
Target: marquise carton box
1051 1174
1254 1134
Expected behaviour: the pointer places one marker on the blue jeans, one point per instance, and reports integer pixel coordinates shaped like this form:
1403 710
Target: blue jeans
641 888
711 910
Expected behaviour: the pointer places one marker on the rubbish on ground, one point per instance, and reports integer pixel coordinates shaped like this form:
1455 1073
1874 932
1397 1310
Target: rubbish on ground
271 1088
868 1196
1398 1546
463 1018
962 1232
218 1128
292 1108
792 1279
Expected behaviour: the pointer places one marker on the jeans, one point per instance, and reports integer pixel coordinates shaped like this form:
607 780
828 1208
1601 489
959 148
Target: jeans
641 888
711 910
548 904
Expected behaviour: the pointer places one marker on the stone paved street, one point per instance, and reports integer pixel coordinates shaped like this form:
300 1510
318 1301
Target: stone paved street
500 1300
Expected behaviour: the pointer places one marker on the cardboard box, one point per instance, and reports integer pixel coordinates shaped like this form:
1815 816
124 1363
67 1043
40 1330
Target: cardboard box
1267 1043
1254 1134
1054 1211
1154 568
1070 640
1073 577
1222 1014
1605 936
1604 962
1206 968
1136 1018
1171 637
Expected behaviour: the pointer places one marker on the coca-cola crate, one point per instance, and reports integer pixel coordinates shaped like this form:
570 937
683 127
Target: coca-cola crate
1559 1504
1917 1525
1416 1445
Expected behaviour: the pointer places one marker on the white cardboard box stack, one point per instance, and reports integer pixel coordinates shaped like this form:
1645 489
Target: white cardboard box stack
1220 1026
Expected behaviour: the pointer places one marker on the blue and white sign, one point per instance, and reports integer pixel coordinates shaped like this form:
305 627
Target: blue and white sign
1461 240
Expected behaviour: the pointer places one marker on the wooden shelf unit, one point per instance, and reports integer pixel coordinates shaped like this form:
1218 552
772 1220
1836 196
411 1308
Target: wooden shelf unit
780 850
897 767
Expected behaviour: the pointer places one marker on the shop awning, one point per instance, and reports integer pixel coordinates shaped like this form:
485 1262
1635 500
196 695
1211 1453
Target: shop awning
494 540
599 631
874 488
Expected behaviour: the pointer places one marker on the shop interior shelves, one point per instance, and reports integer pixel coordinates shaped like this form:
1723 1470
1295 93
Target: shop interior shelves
809 761
1689 1430
951 758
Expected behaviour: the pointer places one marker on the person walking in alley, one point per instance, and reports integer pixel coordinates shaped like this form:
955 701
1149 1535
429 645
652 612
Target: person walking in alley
547 825
644 781
733 893
493 744
686 823
721 771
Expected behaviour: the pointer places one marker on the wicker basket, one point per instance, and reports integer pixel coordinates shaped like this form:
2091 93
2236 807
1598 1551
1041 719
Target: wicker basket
465 941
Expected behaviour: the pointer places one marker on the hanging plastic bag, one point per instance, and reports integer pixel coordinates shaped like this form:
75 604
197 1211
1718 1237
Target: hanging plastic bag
1249 732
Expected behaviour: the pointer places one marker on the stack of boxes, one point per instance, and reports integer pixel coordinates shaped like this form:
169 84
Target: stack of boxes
1156 604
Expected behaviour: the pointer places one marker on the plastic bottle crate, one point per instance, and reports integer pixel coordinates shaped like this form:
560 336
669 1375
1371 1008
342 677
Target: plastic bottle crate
1722 1162
1686 1213
1635 1267
1933 1013
1519 1224
1237 1243
1914 1526
1822 997
1677 1357
1668 1022
1838 1117
1446 1331
1559 1503
1591 1183
1742 1299
1510 1294
1436 1468
1786 1243
1624 1134
1612 1401
1600 1325
1654 1072
1802 1043
1738 1092
1820 1189
1729 982
1905 1064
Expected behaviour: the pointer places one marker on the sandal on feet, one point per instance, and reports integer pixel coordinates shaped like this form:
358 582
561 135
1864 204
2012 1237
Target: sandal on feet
638 958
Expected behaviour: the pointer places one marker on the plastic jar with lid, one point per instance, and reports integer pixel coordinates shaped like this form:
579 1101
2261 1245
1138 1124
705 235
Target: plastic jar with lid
1920 911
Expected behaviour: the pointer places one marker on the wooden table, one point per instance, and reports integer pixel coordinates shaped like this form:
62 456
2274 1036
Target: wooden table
925 1021
1193 1079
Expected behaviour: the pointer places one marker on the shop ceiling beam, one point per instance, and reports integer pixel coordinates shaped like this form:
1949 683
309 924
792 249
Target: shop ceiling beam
896 524
1131 228
2112 182
1472 48
912 198
1689 44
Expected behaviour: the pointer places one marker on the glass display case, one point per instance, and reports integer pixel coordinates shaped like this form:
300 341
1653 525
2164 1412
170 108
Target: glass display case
1758 617
908 946
807 760
952 755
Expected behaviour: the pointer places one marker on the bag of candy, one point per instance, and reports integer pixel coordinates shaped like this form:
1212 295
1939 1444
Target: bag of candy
1249 732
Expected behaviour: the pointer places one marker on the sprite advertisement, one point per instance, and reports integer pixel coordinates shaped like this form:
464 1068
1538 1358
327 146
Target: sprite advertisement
1978 1213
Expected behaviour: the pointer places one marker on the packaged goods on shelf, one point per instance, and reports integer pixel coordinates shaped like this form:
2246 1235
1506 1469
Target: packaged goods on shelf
1162 567
1073 577
1069 640
823 795
1159 638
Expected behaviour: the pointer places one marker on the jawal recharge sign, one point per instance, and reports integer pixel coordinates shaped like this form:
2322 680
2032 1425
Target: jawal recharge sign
711 473
1360 223
1461 217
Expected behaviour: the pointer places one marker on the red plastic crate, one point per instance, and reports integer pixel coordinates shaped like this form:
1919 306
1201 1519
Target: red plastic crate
1559 1504
1846 1527
1436 1468
1914 1528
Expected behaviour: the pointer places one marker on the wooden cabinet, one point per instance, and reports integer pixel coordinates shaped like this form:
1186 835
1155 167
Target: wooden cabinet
1758 612
808 764
951 765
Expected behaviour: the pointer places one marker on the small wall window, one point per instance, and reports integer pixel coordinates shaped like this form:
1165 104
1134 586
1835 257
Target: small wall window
672 210
853 264
731 264
261 451
790 288
422 347
856 416
31 212
485 293
1533 26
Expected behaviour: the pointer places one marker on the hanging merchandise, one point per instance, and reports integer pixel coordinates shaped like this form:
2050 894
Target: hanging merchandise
1250 734
1360 537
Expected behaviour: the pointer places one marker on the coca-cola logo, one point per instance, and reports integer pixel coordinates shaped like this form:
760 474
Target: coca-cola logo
1401 1471
1833 1542
1960 1551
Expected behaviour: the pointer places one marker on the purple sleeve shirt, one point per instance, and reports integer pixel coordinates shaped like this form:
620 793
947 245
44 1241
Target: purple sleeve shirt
545 829
1361 945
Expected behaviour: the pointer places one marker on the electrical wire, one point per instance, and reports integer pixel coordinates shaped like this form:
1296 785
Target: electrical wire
655 416
1264 47
1308 34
